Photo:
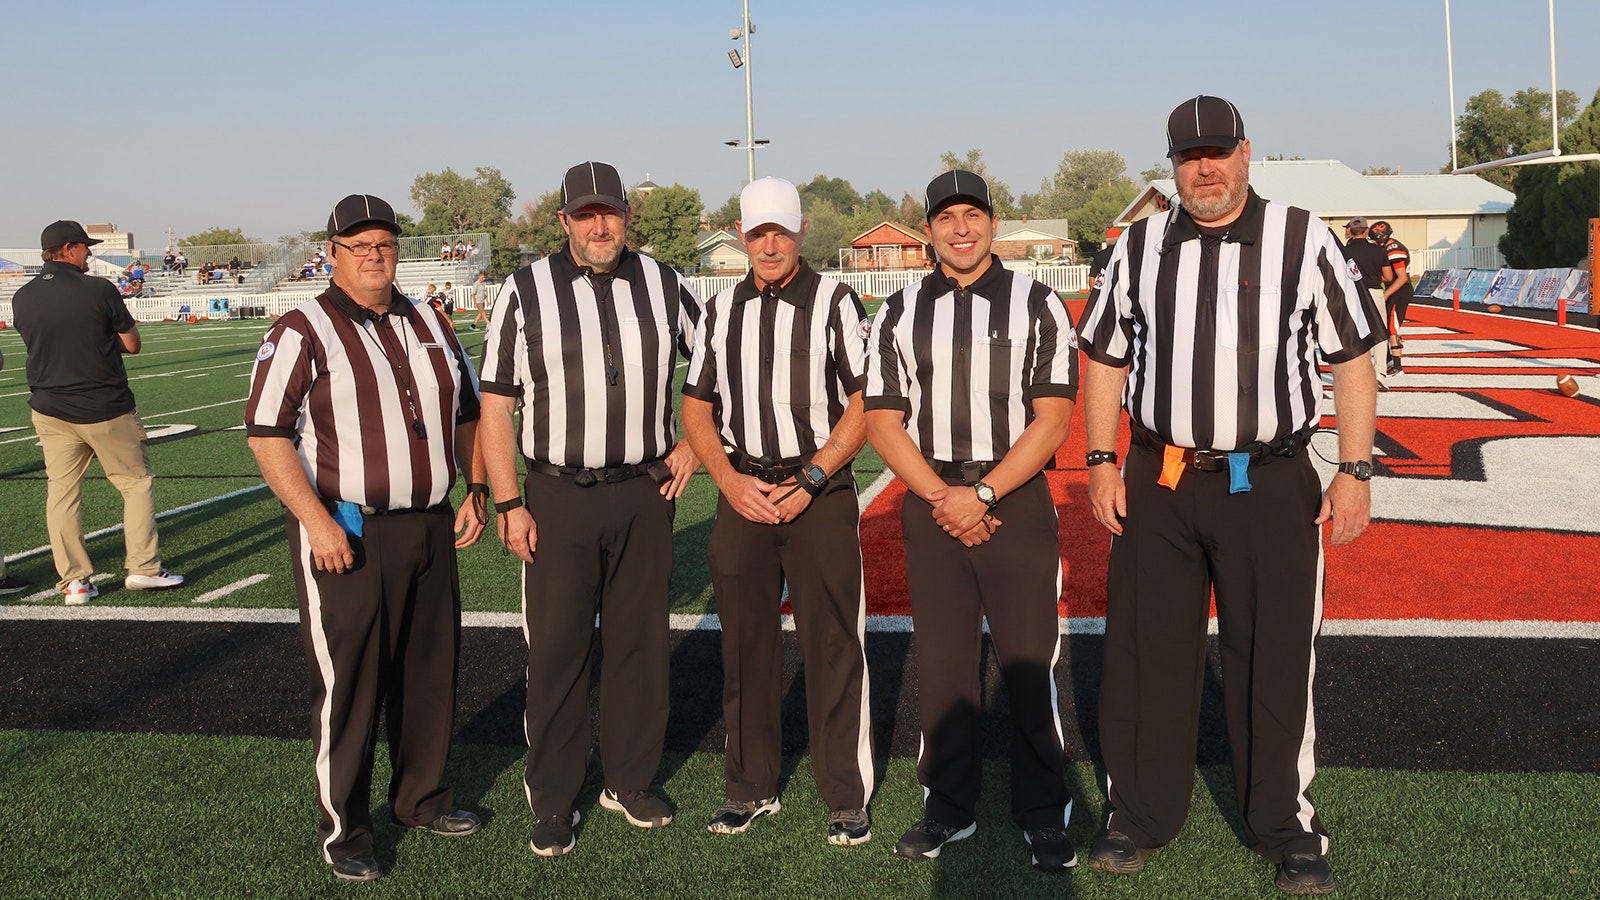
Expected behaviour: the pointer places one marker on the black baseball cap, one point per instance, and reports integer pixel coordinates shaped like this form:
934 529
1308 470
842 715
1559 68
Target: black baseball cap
957 185
588 183
1204 122
357 210
64 232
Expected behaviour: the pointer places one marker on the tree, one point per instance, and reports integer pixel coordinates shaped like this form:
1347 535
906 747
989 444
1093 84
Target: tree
727 216
667 220
536 230
1490 128
827 229
835 191
911 212
1005 205
453 204
216 236
1155 173
1079 175
1090 221
1547 227
1379 170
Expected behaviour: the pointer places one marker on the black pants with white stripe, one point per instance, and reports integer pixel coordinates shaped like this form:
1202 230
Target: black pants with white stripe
1013 580
819 556
604 550
1262 553
385 634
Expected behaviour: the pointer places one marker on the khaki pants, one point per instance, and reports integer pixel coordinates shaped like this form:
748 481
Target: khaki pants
120 446
1380 352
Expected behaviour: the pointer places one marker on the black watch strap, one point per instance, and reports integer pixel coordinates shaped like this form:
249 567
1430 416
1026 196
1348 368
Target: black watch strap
477 487
506 506
1096 457
812 479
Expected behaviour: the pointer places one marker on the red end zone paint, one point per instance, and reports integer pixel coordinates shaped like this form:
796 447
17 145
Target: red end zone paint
1395 570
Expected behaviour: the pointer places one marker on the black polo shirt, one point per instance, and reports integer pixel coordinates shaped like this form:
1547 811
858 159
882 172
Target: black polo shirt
70 323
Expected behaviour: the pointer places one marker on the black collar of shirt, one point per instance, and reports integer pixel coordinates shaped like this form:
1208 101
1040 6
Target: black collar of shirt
399 304
56 267
797 292
983 287
1245 230
565 267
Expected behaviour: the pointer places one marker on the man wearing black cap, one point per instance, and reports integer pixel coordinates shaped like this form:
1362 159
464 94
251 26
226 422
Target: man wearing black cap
971 377
1208 330
362 408
76 329
588 338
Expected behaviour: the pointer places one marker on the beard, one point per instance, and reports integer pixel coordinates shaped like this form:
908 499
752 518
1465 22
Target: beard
595 257
1209 209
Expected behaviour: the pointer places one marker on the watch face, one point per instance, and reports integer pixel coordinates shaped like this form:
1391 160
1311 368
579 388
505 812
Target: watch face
815 473
985 493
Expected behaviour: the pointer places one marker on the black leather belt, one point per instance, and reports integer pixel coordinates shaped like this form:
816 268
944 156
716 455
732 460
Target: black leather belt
772 471
969 472
1260 453
591 477
375 511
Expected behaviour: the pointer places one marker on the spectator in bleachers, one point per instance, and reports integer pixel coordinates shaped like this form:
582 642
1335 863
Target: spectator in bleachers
444 251
472 250
180 263
125 285
461 250
233 268
169 262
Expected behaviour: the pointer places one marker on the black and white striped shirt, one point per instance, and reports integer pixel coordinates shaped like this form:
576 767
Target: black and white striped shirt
779 368
592 357
353 390
1222 333
964 365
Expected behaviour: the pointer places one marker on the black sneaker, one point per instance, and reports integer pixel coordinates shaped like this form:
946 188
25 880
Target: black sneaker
925 839
1395 369
452 824
848 827
1115 852
1052 849
11 584
1305 873
643 809
361 867
735 816
552 836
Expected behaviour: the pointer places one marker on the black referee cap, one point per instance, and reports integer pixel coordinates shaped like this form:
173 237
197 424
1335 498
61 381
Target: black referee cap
589 183
357 210
1204 122
65 231
954 186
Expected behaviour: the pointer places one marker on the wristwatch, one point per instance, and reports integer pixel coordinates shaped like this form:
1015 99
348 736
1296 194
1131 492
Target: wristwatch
813 479
1096 457
1361 469
986 495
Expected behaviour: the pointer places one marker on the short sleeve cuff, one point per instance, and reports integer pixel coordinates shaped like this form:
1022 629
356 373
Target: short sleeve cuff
902 404
500 388
1105 359
1064 391
252 430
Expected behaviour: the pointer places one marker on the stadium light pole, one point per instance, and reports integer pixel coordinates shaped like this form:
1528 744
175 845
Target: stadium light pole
743 62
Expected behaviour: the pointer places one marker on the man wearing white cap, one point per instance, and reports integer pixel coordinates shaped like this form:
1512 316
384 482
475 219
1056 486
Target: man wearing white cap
772 406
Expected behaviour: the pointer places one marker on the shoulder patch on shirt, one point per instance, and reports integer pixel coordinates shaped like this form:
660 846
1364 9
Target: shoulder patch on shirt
1099 281
266 350
1072 338
1354 270
866 329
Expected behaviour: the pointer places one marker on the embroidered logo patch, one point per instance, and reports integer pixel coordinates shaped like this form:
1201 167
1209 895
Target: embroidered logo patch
265 352
1354 270
866 329
1100 281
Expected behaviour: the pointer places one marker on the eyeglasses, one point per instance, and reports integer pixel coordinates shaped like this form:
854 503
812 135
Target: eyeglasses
363 249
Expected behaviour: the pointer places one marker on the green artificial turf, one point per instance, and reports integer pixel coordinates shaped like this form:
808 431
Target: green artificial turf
124 815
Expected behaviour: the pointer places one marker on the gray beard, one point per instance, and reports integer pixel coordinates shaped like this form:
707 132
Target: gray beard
1211 210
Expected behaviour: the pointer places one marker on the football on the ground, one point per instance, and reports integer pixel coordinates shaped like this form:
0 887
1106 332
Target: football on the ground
1567 385
1494 307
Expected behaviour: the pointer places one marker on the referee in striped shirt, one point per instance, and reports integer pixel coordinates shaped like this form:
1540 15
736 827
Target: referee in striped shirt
772 405
972 373
1207 332
362 405
586 339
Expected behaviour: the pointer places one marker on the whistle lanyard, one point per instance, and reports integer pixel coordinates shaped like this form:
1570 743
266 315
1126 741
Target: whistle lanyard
401 369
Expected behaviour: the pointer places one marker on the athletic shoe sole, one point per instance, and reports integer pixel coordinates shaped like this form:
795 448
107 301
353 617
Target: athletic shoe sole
558 851
961 835
767 808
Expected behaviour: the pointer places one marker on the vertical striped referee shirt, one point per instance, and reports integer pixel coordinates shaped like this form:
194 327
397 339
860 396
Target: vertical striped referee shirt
779 368
965 364
1222 333
592 357
348 387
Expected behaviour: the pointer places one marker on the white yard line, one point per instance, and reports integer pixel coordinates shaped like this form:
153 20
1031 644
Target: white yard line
40 551
179 412
875 488
227 589
1416 628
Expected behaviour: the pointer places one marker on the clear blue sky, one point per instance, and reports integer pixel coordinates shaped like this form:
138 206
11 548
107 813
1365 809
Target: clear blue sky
260 116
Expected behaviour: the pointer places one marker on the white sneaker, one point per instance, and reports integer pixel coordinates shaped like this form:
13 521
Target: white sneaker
162 579
79 592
